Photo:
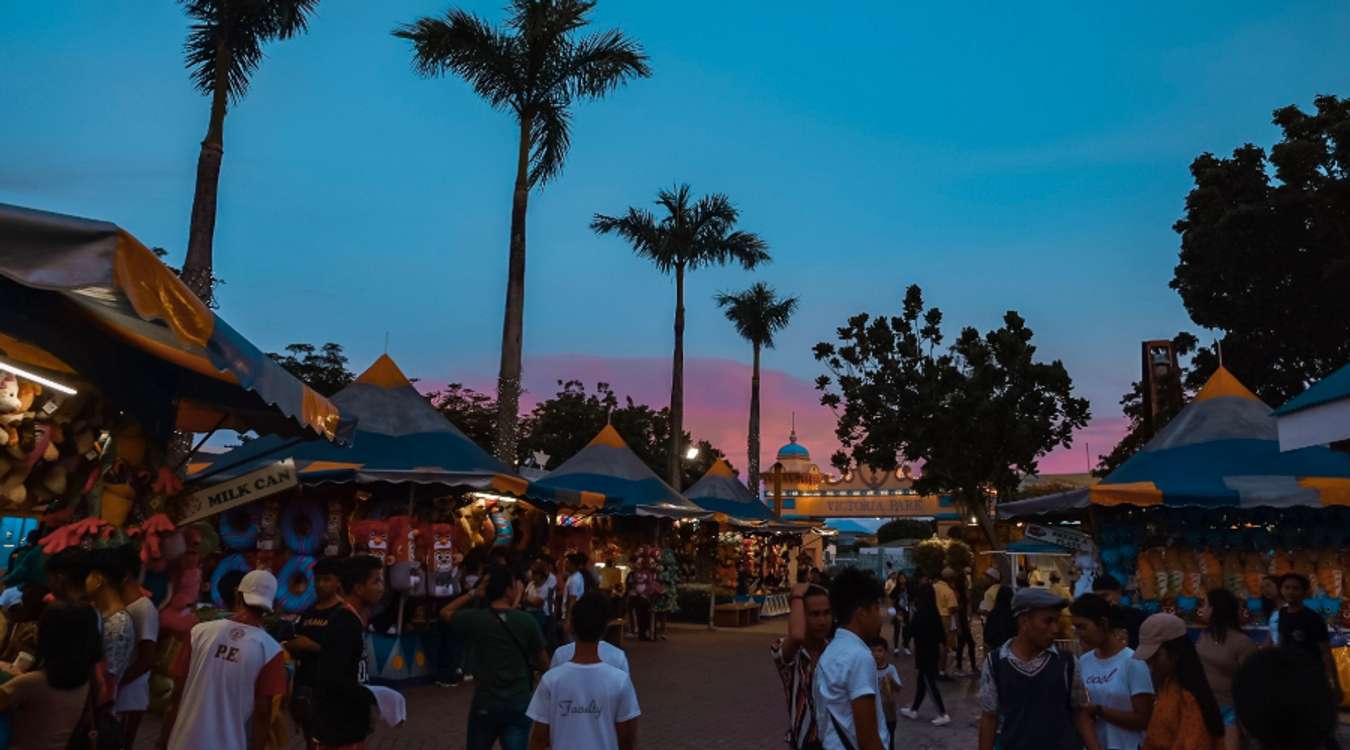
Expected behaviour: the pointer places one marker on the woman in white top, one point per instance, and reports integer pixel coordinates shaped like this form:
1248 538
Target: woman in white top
1118 684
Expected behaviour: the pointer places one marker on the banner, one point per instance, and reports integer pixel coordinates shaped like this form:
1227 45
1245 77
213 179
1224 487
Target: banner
1066 538
254 485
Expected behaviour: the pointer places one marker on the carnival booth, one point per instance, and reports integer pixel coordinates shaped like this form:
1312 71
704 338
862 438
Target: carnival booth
104 354
1211 502
756 551
1317 416
627 536
410 488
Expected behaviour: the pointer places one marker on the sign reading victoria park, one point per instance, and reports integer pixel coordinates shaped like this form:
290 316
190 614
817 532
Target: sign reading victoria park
907 506
254 485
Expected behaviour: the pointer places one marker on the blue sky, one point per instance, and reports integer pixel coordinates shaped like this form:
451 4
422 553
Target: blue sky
1030 156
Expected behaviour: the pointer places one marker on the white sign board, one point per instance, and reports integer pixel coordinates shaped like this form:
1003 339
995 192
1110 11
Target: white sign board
1066 538
254 485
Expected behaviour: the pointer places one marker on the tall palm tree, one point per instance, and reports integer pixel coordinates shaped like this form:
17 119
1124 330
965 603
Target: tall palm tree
223 49
758 314
690 235
535 68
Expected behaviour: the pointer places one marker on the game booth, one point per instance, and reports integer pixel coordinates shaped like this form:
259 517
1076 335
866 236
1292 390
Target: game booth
106 358
1211 502
409 488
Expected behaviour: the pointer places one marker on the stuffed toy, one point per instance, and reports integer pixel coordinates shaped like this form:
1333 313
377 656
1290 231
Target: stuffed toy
370 537
1305 564
1192 581
13 490
333 533
502 528
12 409
441 561
185 583
405 568
1152 579
1233 578
154 532
1211 570
78 534
1329 577
267 524
1253 571
1282 564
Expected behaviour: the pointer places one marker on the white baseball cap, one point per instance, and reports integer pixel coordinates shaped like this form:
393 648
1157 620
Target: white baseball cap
259 589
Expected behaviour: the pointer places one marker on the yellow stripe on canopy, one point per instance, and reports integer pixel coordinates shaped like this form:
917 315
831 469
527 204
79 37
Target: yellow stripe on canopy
1334 490
1222 384
314 467
1127 493
508 485
156 293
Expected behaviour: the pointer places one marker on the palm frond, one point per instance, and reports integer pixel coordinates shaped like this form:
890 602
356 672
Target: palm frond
757 313
237 30
648 238
463 44
550 137
601 63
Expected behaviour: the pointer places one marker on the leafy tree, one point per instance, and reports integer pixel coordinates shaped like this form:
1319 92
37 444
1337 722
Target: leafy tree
758 314
690 236
564 424
904 528
978 414
535 67
324 369
1265 252
224 48
474 413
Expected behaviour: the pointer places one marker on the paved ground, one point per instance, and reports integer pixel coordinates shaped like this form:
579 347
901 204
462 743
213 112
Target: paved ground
700 690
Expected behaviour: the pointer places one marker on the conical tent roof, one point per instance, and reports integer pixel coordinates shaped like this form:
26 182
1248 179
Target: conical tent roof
1220 451
400 438
608 466
720 492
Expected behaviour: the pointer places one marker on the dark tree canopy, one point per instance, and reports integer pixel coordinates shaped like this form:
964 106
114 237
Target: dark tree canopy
1265 252
904 528
473 412
977 415
564 424
324 369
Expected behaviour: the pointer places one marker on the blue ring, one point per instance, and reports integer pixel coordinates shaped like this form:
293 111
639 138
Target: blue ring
309 543
289 601
229 563
236 537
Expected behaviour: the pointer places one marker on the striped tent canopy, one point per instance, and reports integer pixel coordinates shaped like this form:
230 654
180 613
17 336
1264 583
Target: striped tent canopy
84 301
608 467
400 438
1317 416
1221 451
719 491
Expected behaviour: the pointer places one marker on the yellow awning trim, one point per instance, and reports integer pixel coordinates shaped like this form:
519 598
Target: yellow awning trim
157 294
1334 490
1130 493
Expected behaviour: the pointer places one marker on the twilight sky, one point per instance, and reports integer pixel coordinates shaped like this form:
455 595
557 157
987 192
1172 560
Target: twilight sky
1025 156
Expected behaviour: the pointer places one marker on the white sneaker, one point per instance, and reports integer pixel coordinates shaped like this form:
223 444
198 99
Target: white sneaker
908 652
942 721
896 652
910 714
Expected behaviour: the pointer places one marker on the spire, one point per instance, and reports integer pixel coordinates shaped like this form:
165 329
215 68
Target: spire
792 436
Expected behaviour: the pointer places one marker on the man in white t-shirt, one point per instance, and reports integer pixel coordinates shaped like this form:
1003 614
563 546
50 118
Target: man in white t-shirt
847 700
576 580
609 654
585 704
133 695
226 676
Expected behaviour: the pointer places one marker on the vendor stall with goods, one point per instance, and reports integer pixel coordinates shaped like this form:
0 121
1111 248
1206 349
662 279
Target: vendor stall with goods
1211 502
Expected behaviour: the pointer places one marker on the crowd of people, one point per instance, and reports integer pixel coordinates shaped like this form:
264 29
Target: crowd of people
1138 682
78 646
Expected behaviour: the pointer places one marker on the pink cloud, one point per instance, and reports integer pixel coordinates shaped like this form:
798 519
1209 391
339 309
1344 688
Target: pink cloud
717 404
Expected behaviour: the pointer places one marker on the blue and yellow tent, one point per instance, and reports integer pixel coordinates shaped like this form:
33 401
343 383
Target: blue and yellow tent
720 492
1221 451
607 468
400 438
1319 415
84 301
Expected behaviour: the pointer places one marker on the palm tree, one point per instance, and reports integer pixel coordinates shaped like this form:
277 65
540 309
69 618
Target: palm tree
758 314
224 48
690 236
535 67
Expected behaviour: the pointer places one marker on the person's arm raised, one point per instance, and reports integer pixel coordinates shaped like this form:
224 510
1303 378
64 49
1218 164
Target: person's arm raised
796 621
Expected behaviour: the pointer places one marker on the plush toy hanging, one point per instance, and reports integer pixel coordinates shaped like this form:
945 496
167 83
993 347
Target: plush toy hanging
332 534
501 526
442 561
1253 571
1211 570
405 573
370 537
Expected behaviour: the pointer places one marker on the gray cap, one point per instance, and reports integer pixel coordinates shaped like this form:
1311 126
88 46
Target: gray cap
1034 597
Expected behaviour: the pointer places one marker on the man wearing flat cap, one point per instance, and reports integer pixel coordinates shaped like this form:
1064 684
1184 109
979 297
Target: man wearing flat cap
1032 695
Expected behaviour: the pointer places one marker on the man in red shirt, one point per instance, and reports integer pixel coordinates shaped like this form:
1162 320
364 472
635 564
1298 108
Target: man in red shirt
226 676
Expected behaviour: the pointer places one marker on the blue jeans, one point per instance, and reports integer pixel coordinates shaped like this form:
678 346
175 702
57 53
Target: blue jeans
487 726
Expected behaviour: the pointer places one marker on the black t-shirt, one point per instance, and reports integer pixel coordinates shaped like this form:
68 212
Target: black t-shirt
313 625
1304 630
342 704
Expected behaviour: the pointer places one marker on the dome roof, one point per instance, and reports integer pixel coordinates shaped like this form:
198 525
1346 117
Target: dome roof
793 449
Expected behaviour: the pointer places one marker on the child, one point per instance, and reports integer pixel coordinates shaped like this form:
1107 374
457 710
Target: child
888 683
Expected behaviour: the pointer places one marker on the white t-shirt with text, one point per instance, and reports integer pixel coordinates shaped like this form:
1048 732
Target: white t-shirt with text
135 695
1111 683
846 671
223 667
609 654
581 703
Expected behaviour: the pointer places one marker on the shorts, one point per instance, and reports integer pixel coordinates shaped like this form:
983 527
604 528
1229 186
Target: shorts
1229 715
